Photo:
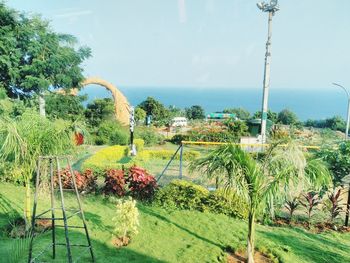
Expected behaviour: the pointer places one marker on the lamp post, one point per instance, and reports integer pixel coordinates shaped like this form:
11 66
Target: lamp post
348 114
271 8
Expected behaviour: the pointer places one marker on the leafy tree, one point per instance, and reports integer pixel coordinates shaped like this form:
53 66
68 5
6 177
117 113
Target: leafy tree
338 160
140 115
257 181
237 128
287 117
195 112
336 123
67 107
160 114
241 113
99 110
35 59
272 116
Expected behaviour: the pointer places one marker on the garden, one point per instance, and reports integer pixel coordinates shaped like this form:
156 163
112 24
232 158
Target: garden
171 202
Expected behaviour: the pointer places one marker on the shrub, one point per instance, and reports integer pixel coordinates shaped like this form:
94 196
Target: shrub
227 203
111 132
149 135
142 185
84 182
126 220
166 154
187 195
139 143
183 195
114 183
106 158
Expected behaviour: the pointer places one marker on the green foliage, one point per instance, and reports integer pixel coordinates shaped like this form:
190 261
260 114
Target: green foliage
148 155
189 196
100 110
183 195
338 160
140 115
335 123
66 107
111 133
140 144
150 136
287 117
178 138
160 114
237 128
272 116
34 58
106 158
240 113
195 112
126 219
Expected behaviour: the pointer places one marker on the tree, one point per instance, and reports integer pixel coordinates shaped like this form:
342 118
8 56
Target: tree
287 117
152 107
99 110
272 116
195 112
240 113
140 115
338 160
256 181
237 128
336 123
35 59
67 107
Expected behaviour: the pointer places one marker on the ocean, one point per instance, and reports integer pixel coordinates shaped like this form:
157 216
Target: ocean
306 103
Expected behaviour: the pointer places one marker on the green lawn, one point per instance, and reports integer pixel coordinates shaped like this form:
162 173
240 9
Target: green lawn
178 236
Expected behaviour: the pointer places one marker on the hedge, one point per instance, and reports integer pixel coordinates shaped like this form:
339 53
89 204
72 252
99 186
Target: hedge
166 154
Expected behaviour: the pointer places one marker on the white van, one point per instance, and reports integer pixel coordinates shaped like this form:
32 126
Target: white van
179 122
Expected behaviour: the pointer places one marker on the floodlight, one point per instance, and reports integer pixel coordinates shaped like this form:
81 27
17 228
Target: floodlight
260 5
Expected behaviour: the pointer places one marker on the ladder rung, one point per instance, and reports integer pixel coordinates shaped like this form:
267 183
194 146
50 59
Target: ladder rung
43 213
78 212
49 218
70 226
72 245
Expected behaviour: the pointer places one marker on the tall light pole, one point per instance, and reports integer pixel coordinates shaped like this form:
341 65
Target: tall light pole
271 8
348 114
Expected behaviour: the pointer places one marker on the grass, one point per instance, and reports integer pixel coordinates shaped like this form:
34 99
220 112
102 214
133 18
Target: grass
174 236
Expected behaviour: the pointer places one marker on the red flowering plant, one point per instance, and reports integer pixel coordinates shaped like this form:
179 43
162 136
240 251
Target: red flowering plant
142 185
85 181
114 183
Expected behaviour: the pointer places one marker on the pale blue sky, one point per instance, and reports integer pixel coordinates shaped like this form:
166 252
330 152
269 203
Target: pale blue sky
206 43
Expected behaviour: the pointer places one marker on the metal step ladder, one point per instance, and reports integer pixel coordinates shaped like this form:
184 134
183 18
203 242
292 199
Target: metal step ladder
51 164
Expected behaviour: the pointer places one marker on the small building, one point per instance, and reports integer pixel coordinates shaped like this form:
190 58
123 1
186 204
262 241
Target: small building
221 116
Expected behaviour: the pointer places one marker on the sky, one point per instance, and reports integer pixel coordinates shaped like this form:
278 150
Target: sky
206 43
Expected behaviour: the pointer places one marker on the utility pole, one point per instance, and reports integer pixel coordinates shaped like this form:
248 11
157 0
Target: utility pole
271 8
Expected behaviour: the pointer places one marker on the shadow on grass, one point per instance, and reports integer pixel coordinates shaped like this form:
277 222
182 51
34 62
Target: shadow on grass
163 218
310 247
103 252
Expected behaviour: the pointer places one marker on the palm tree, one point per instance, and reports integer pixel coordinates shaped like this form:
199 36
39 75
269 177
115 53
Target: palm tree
257 181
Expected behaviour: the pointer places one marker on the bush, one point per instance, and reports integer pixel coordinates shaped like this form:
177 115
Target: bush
142 185
111 132
149 135
114 183
166 155
139 143
183 195
126 221
106 158
84 182
187 195
178 138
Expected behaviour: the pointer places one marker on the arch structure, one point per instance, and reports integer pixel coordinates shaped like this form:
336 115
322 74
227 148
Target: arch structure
121 104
